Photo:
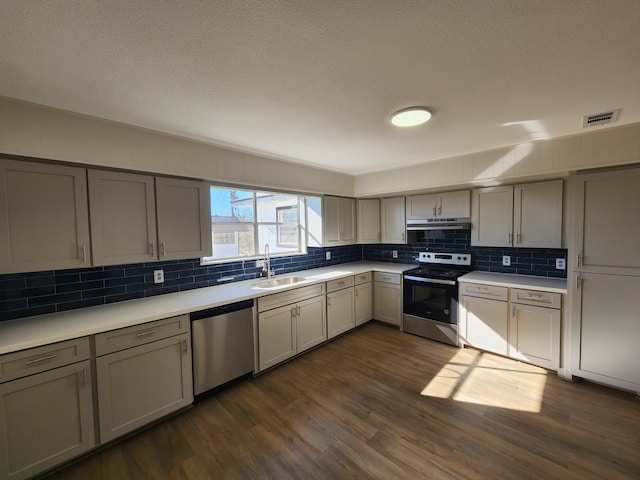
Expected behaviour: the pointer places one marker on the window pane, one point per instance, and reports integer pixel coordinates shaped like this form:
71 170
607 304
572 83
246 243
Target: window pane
272 234
268 205
231 205
232 240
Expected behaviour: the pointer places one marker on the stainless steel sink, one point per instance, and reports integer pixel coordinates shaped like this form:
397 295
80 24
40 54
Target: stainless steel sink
279 282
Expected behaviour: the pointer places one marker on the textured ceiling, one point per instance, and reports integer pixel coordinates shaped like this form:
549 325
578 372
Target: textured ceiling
315 81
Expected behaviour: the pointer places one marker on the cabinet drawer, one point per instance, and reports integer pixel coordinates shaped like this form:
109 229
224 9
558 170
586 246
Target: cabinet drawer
40 359
536 297
128 337
363 278
339 284
387 277
290 296
484 291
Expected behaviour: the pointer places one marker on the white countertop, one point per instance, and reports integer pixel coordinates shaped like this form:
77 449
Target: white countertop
41 330
545 284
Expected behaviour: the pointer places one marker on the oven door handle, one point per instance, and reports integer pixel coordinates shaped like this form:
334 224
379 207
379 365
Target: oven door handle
429 280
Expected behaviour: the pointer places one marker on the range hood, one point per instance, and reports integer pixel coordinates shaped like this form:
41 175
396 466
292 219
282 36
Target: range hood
461 223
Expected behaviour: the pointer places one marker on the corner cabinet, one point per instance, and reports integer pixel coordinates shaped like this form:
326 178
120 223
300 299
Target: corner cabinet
143 373
338 221
368 220
393 223
44 219
527 215
184 218
123 217
46 407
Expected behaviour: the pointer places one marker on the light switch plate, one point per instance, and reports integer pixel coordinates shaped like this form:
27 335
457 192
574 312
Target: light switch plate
328 255
158 276
506 260
394 253
561 264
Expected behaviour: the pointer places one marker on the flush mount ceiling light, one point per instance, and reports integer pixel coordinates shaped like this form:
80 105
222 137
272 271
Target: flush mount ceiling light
411 117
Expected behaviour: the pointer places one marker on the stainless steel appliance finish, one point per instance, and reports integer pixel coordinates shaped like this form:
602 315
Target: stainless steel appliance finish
222 339
439 224
430 296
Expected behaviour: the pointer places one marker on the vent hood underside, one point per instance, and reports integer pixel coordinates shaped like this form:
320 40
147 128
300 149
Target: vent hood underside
439 224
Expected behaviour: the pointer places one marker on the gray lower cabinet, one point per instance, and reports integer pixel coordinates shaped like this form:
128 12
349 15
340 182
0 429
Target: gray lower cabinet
143 373
484 321
290 323
46 408
364 298
340 306
388 297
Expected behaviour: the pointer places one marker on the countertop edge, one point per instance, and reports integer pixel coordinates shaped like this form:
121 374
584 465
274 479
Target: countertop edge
29 332
544 284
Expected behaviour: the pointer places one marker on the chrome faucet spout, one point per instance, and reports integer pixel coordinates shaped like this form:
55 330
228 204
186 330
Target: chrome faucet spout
267 262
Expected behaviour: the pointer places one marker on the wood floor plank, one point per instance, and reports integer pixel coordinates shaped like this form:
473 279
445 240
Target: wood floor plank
378 403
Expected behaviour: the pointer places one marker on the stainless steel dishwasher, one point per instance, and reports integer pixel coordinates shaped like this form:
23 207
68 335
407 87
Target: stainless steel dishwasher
222 339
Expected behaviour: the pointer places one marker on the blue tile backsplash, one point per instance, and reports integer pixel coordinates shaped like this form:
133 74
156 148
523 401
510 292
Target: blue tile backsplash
27 294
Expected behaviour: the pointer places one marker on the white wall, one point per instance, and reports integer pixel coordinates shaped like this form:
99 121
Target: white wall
602 147
36 131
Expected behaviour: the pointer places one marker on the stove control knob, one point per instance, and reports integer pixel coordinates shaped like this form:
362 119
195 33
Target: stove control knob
446 311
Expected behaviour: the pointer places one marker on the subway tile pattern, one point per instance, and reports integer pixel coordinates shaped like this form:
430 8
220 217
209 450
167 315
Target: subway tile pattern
27 294
524 261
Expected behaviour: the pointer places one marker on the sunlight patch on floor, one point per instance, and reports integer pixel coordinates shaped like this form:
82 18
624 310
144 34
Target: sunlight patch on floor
485 379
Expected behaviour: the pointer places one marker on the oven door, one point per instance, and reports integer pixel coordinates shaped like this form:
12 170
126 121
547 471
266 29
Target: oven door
426 299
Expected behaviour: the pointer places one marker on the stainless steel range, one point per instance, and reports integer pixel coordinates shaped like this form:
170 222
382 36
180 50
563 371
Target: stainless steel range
430 291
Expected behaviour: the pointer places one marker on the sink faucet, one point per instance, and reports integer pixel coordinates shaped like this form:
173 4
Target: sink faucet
267 262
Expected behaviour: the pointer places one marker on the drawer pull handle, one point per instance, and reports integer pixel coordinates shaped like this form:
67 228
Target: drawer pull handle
41 359
144 334
534 297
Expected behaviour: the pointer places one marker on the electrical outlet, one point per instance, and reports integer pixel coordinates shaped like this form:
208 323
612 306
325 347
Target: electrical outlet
158 276
561 263
506 260
328 255
394 254
259 263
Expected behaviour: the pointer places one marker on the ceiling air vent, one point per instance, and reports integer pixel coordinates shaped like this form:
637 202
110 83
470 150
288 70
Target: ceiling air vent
600 118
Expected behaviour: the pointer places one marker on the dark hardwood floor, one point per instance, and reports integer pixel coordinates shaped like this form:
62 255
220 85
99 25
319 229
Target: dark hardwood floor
381 404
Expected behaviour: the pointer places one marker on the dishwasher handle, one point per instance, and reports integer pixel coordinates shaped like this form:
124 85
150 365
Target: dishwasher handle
221 310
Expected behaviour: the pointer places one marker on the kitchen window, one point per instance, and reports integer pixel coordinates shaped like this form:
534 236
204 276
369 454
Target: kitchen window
244 221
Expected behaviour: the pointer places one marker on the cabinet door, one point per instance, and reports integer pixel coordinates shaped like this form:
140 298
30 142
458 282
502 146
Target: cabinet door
537 215
311 323
364 302
387 303
369 220
454 204
184 218
276 340
534 335
492 217
392 220
420 207
608 229
331 220
142 384
44 219
609 329
485 324
340 312
45 419
123 217
347 221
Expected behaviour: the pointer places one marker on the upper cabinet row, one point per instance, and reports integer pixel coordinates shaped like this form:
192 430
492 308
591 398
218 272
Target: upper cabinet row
50 220
527 215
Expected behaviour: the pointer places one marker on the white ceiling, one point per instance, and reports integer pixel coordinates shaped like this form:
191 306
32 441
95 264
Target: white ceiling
315 81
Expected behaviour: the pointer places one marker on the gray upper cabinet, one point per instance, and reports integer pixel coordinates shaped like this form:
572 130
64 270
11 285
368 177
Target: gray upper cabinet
392 220
184 218
44 223
338 220
439 205
492 216
123 217
369 220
